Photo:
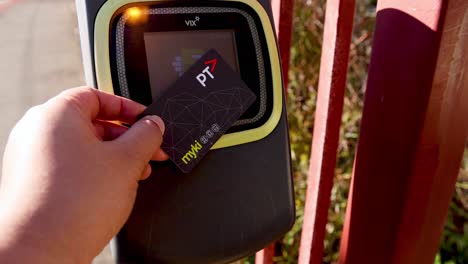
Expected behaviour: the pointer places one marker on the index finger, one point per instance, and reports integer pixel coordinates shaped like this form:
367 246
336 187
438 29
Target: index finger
100 105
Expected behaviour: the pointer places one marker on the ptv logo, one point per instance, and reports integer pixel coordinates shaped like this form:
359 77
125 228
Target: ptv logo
208 71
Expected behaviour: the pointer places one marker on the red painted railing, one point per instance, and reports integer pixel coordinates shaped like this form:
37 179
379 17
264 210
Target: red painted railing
333 69
413 131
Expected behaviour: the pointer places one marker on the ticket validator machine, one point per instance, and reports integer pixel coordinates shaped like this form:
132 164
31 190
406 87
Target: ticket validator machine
240 197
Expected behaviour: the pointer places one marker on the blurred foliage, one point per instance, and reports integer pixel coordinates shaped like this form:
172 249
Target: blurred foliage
454 243
302 93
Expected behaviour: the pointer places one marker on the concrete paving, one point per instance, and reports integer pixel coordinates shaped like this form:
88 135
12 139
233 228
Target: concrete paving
39 57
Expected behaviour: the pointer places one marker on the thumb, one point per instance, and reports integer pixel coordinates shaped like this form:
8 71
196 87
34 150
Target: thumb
143 138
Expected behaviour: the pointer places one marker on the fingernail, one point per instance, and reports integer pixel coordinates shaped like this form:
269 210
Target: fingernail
158 121
147 173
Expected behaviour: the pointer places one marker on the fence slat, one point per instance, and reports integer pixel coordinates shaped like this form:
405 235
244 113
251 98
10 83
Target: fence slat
333 70
266 255
283 11
413 132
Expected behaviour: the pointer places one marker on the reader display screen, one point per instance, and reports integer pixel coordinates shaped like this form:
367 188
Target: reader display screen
170 54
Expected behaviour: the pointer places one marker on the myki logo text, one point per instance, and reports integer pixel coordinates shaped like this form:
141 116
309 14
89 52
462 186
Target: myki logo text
208 71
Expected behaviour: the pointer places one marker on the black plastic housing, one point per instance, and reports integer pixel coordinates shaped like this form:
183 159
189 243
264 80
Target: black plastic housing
237 201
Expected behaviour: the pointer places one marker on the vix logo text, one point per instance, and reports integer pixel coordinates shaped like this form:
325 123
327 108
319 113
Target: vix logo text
192 153
208 71
192 23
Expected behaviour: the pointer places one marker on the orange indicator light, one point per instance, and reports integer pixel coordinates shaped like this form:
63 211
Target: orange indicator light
134 12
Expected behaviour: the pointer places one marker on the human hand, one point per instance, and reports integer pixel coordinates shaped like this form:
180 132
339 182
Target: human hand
70 176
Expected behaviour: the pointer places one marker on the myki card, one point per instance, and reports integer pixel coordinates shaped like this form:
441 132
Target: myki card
199 108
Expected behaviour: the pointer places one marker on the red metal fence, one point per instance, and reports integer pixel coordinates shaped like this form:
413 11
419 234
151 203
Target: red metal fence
413 130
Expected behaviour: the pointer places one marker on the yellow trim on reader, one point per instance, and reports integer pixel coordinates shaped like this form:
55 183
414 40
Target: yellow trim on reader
104 79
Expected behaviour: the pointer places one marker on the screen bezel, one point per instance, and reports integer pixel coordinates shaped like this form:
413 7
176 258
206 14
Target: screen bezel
104 76
129 61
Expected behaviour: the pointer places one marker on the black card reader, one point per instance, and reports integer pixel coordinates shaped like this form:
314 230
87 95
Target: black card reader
239 198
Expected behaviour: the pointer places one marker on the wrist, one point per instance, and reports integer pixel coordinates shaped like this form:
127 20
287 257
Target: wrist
29 254
20 243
